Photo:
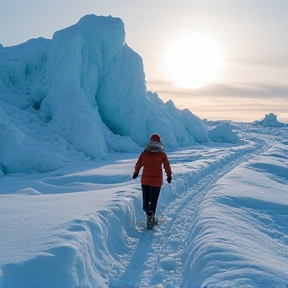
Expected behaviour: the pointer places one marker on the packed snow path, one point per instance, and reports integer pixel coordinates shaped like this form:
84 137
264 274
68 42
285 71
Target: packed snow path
160 254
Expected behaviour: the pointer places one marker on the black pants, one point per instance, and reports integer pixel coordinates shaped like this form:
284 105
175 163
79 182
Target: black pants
150 197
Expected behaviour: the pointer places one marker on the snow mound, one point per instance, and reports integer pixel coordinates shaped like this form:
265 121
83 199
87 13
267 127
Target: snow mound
223 133
17 151
270 120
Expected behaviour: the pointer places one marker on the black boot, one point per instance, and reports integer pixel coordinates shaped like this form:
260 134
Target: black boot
151 221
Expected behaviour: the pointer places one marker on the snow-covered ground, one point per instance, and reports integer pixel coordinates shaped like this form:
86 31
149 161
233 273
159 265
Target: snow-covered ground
74 116
223 220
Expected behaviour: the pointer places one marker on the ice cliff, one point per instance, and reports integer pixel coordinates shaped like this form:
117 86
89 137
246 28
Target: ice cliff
81 95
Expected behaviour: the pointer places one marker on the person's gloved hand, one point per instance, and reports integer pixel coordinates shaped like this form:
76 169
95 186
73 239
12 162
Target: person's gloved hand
135 175
169 179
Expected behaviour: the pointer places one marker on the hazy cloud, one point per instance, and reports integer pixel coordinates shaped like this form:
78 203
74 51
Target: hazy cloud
257 91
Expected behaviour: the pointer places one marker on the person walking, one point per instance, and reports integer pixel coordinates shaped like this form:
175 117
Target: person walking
152 159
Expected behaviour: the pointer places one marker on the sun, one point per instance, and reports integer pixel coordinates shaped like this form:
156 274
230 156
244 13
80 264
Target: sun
193 61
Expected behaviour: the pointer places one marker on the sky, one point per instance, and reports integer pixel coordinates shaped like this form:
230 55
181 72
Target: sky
250 35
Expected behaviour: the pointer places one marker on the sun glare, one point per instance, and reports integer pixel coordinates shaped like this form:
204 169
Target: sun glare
193 61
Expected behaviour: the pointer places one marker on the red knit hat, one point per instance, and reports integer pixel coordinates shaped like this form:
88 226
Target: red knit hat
155 137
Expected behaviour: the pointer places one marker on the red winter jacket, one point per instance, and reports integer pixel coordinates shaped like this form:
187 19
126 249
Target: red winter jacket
152 171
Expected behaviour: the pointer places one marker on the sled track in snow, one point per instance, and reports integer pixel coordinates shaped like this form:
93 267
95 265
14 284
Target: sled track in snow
159 255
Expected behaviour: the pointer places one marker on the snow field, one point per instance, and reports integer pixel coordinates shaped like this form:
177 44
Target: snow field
220 219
